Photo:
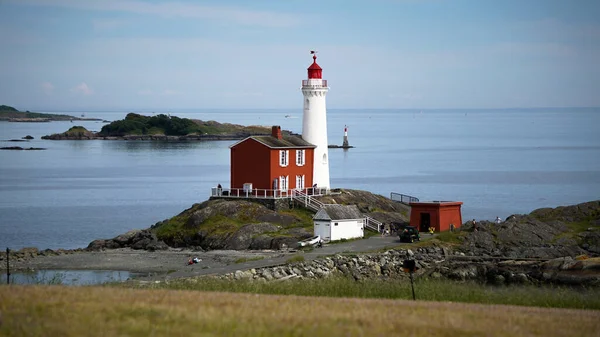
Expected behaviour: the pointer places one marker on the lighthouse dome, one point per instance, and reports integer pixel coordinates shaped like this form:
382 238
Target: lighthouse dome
315 71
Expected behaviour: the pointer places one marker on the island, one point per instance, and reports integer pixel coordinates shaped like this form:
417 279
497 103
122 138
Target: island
163 127
11 114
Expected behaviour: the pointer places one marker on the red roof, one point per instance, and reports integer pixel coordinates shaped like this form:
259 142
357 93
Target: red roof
314 71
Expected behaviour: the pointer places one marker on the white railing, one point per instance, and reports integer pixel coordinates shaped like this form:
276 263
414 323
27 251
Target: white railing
260 193
308 201
373 224
309 83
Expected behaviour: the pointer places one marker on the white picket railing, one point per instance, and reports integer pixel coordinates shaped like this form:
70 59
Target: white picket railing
308 201
260 193
373 224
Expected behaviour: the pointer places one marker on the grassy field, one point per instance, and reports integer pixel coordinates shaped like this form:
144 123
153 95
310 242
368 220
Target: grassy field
426 289
109 311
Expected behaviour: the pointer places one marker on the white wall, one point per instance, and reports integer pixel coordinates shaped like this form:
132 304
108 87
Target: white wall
347 229
323 229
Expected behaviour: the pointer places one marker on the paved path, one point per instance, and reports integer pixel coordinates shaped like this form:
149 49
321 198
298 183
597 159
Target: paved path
370 244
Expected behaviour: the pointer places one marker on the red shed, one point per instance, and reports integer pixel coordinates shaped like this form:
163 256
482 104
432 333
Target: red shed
274 162
437 214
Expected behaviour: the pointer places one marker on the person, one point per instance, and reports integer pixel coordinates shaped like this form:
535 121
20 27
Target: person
474 225
219 189
451 227
320 244
498 220
196 260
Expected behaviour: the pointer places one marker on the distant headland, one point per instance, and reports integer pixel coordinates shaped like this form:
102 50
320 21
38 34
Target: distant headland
163 127
10 114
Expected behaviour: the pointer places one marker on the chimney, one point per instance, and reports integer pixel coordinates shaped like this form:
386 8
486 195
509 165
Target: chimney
276 131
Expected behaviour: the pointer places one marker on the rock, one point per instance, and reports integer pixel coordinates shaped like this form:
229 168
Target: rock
27 137
243 238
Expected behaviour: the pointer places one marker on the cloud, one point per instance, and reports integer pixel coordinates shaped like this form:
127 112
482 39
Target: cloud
82 89
47 88
176 9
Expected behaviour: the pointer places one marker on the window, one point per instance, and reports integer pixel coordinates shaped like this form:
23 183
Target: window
300 182
300 157
335 223
324 158
283 183
283 158
307 104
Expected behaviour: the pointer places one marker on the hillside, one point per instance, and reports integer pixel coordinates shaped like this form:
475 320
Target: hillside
11 114
241 224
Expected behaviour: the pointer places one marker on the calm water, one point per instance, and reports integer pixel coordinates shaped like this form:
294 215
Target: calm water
69 277
498 162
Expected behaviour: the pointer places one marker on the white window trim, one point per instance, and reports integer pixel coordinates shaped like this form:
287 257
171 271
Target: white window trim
300 182
284 158
300 157
283 183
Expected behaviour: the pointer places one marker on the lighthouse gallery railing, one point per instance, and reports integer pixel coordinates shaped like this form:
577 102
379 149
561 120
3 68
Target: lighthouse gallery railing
306 83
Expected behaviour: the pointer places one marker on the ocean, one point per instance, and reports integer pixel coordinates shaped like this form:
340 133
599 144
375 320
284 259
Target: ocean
498 162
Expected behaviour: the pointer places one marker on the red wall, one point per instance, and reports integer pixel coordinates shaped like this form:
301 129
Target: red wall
253 162
292 170
250 164
441 215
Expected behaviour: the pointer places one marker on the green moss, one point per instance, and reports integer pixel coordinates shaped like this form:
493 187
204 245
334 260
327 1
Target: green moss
295 259
450 237
574 229
248 259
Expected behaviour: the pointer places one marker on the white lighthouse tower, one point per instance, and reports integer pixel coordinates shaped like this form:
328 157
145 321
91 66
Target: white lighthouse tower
314 121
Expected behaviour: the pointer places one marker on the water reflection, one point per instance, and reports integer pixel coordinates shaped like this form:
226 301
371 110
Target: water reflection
69 277
156 145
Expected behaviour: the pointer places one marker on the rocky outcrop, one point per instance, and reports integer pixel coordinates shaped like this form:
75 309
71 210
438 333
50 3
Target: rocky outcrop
233 224
434 262
544 233
376 206
136 239
18 148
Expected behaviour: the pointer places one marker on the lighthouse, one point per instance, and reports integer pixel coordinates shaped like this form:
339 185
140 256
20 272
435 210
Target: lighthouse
314 121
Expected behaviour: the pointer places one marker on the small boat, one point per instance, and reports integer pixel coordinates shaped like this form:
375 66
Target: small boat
288 116
310 241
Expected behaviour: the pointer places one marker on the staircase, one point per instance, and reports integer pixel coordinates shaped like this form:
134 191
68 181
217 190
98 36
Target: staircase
307 201
315 205
373 224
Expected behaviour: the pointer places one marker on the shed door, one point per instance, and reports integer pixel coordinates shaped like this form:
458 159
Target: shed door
425 222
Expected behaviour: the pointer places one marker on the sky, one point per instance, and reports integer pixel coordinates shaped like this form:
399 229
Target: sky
107 55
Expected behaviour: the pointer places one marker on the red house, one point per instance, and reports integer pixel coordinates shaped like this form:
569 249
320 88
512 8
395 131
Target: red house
271 165
437 214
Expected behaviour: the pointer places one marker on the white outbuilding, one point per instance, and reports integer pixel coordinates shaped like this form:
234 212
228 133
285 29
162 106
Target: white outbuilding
337 222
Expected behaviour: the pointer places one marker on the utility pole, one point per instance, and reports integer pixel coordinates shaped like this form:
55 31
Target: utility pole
7 266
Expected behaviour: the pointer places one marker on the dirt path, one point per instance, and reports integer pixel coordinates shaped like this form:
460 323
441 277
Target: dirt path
172 263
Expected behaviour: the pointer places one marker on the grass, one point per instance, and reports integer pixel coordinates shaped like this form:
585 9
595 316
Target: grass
295 259
176 228
450 237
426 289
574 229
248 259
109 311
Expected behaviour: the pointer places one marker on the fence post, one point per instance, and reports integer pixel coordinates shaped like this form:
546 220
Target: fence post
7 266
